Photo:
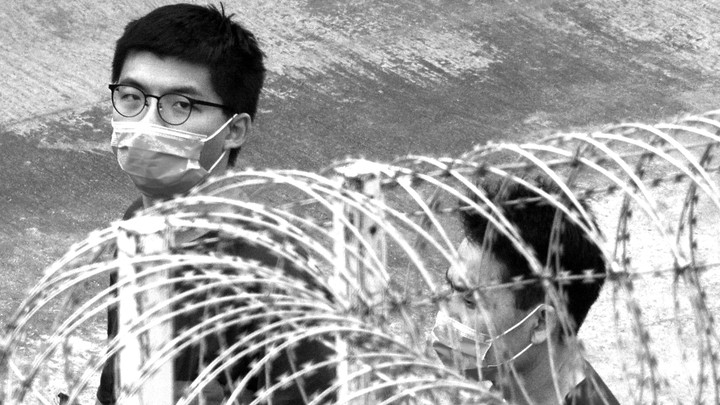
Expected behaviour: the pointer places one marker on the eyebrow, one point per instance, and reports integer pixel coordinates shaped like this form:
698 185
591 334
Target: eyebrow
460 289
186 90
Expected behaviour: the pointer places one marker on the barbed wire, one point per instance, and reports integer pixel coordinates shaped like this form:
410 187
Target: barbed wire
258 268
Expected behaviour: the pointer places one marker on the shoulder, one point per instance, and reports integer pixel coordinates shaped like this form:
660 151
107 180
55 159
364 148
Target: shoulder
136 206
591 391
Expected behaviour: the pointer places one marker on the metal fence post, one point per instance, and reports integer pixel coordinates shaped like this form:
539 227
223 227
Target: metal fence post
142 236
363 177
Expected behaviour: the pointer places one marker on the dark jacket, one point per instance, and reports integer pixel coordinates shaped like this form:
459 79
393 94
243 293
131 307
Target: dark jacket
187 363
591 391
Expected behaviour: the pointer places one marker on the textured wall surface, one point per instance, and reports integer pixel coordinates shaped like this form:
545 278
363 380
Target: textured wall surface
383 71
354 77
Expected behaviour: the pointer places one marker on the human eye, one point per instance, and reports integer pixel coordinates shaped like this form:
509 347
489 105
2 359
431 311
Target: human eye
178 103
469 300
129 94
181 104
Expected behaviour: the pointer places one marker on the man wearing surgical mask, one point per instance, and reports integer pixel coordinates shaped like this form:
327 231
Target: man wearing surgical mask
184 89
514 336
185 86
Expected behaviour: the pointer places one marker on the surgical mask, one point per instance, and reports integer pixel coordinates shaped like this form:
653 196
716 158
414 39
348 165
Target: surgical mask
458 345
453 340
161 161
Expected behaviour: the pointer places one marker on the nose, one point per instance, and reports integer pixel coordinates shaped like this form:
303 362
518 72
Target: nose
456 305
150 113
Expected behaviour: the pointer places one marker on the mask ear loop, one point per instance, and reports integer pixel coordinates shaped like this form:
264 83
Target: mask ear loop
508 361
512 328
219 129
219 159
222 155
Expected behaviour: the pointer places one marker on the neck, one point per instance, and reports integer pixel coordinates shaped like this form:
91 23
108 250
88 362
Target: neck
149 201
544 381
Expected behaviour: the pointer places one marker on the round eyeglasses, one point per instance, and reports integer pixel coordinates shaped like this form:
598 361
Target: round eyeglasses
173 108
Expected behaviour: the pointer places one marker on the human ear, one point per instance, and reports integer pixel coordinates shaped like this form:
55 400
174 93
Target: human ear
545 324
239 128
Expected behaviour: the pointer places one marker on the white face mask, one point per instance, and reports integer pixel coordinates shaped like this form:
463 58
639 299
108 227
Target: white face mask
458 345
161 161
462 347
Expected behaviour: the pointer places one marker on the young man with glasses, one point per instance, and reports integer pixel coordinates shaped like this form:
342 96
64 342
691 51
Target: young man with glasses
185 86
188 72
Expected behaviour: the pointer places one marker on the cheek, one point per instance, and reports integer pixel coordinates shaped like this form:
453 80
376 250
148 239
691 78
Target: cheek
117 117
491 319
456 307
458 310
212 150
480 322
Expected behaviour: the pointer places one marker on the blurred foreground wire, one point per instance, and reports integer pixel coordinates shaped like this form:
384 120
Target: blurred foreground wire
356 273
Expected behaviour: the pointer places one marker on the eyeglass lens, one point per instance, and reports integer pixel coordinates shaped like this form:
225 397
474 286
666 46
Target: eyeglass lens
130 101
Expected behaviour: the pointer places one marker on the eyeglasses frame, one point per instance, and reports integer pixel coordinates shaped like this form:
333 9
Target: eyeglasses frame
192 101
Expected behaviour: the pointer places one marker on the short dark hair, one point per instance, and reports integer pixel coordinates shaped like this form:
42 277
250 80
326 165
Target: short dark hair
534 218
206 36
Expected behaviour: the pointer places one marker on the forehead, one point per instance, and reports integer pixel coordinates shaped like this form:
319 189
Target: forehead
162 74
478 266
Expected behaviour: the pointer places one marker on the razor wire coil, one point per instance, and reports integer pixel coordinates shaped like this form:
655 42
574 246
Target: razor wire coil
367 272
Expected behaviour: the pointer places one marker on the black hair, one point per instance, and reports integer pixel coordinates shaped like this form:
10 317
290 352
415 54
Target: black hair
534 218
206 36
